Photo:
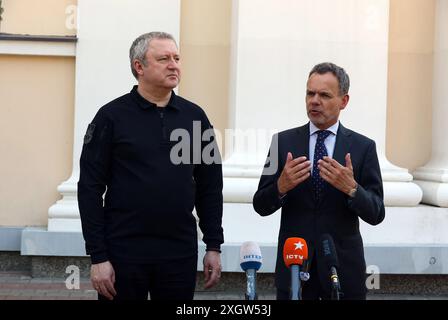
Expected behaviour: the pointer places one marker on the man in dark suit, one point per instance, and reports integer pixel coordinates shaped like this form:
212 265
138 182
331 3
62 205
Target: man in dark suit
327 177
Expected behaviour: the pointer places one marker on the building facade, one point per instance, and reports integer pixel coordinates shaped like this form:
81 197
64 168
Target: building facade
246 62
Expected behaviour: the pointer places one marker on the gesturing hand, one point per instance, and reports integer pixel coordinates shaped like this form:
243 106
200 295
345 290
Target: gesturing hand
336 174
295 171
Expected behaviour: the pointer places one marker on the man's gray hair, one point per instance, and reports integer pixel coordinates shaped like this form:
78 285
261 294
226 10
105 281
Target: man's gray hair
140 46
338 72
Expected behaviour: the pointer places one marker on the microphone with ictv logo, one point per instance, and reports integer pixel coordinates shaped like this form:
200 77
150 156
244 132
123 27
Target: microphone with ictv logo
250 261
295 252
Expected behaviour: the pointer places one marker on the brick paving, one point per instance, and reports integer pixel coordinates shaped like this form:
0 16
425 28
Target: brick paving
21 286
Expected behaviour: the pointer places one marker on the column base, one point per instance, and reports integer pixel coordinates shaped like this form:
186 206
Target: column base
431 174
434 193
241 182
239 190
398 185
64 225
64 214
434 183
401 194
396 194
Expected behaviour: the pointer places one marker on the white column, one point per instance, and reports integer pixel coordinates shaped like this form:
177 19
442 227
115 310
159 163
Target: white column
106 30
275 45
433 177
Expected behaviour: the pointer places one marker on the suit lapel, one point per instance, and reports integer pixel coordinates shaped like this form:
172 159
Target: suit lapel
301 147
343 144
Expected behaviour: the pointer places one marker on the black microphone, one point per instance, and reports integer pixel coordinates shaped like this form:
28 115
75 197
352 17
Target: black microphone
329 256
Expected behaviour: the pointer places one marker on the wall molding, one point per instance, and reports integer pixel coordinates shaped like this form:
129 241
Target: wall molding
37 45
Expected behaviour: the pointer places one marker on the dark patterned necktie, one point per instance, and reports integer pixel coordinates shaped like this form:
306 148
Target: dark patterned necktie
320 151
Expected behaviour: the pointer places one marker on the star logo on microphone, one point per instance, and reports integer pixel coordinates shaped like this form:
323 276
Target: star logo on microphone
295 251
299 245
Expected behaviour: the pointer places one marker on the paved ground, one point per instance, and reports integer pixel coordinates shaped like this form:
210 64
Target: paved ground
20 286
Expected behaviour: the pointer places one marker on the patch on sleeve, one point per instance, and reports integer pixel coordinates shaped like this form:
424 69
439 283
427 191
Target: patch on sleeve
89 134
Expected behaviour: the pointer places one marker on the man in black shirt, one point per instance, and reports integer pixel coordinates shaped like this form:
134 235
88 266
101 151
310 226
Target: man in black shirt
142 238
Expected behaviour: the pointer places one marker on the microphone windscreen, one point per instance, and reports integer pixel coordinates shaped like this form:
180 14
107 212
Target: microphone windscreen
327 251
295 251
250 256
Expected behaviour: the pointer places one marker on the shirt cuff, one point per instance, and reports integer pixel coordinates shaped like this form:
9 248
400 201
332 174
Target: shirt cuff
98 257
213 247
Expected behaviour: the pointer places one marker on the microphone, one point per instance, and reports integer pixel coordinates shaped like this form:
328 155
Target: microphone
295 252
250 262
329 256
305 273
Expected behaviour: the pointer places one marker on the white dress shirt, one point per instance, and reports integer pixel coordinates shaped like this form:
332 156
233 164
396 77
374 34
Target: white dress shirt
329 142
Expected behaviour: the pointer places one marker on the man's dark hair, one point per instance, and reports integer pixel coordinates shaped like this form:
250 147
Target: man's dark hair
338 72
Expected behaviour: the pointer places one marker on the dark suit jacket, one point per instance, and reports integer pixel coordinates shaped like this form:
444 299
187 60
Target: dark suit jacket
335 213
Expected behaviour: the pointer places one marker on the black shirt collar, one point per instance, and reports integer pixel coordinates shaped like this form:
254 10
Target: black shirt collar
145 104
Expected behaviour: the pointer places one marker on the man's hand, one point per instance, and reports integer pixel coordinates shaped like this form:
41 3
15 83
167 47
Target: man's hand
102 276
337 175
212 268
295 172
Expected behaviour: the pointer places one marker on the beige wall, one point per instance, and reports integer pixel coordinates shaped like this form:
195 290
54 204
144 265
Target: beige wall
37 17
409 116
37 95
205 51
36 135
205 48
